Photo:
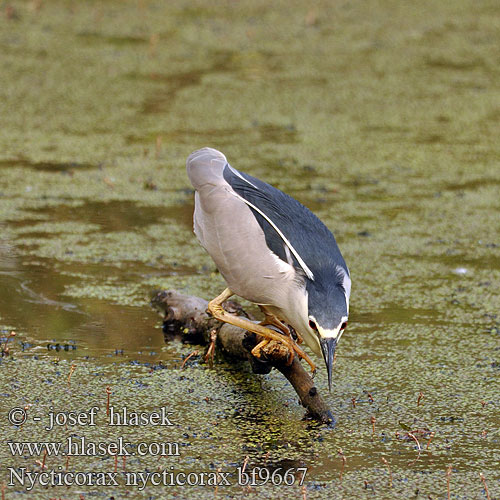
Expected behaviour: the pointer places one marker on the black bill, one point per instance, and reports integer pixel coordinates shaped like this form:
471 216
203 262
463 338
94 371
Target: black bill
328 347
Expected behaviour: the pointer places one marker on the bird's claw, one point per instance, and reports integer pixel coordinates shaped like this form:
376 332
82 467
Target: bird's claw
302 355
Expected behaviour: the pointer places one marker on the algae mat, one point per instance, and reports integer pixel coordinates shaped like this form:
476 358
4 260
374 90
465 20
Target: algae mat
382 117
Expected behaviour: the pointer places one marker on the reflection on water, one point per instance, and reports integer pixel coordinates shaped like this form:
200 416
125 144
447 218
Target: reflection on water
34 293
396 313
161 100
46 166
256 133
116 215
34 301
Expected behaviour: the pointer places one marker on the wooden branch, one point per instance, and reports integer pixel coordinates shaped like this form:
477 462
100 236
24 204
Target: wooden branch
185 317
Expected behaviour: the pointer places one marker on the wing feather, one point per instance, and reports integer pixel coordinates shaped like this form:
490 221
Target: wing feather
287 224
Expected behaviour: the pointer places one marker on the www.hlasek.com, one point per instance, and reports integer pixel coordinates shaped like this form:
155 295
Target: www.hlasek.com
258 476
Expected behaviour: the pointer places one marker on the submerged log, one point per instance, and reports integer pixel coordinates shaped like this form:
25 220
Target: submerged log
186 316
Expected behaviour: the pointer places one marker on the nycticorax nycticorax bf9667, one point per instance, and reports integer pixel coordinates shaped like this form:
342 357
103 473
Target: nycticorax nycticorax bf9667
272 251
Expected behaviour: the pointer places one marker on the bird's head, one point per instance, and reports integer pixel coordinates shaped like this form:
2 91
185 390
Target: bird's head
328 312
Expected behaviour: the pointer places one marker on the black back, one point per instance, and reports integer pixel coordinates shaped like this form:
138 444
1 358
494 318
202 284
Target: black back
312 240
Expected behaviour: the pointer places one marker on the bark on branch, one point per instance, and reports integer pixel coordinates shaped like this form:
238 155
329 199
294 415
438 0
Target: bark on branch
186 316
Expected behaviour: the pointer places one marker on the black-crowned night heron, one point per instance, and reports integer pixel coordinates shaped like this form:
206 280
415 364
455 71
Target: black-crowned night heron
272 251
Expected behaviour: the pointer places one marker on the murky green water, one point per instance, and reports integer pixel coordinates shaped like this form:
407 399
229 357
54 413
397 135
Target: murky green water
382 117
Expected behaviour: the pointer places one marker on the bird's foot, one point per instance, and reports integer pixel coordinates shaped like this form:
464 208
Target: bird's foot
276 347
273 349
302 355
272 320
215 308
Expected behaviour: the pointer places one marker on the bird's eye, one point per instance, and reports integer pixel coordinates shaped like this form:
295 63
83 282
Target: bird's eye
344 324
312 324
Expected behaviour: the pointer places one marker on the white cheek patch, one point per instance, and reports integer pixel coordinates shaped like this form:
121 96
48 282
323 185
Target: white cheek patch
336 333
329 334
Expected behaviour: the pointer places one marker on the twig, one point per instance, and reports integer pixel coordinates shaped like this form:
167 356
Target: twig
158 146
245 463
108 182
448 475
344 459
185 315
217 485
419 448
26 408
389 468
420 397
373 420
304 492
153 42
116 463
108 392
5 348
431 436
71 370
416 440
187 358
11 335
42 463
3 491
211 348
485 485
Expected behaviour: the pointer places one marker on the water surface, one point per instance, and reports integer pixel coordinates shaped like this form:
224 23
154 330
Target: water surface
381 117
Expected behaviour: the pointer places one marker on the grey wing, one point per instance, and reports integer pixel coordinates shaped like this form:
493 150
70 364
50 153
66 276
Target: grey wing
292 231
227 229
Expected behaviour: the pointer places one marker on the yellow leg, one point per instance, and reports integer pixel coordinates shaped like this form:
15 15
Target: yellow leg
271 319
260 348
217 311
256 350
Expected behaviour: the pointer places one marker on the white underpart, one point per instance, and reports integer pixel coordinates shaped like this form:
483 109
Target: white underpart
288 255
302 264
